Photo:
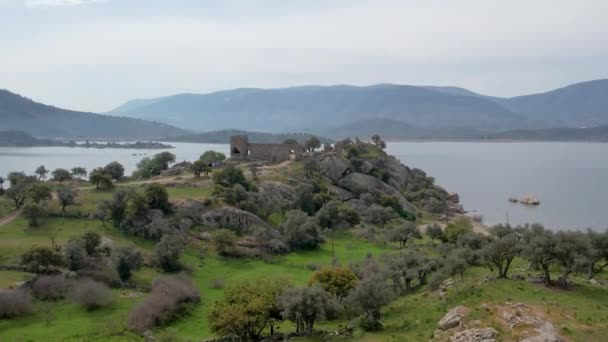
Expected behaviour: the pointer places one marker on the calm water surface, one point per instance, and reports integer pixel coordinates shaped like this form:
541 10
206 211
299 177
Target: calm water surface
27 159
570 179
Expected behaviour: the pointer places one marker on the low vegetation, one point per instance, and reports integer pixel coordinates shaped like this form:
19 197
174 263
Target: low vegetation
253 257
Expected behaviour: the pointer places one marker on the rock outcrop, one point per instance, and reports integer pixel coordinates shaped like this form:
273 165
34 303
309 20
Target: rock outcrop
453 318
400 175
334 167
361 183
546 333
475 335
231 218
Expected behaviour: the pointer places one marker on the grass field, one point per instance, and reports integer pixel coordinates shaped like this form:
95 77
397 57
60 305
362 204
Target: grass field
579 313
6 206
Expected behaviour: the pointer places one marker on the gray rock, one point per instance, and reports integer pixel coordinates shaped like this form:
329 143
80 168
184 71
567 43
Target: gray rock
360 183
454 198
231 218
475 335
277 191
399 173
341 194
546 333
453 318
334 167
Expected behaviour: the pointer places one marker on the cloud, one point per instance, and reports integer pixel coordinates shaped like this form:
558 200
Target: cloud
58 3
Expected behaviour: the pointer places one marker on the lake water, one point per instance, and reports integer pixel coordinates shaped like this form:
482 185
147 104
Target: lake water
570 179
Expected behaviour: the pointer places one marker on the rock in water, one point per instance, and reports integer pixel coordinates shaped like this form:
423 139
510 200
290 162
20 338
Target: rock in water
529 200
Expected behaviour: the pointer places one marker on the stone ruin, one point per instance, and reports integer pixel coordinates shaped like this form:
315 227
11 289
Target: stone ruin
241 148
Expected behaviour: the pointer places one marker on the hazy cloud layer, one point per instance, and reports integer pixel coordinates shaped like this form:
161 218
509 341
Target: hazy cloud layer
95 57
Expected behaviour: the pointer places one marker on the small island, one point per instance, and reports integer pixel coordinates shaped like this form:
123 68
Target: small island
23 139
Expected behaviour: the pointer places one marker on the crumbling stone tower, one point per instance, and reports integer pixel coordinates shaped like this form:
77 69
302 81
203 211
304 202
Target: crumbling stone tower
239 146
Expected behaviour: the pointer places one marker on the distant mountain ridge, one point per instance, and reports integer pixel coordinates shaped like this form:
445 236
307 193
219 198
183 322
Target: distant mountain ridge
19 113
223 137
319 108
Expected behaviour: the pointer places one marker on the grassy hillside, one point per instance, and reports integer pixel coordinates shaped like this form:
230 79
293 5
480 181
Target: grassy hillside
578 312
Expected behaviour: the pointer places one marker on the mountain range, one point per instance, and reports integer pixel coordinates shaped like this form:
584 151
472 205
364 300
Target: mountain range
19 113
343 108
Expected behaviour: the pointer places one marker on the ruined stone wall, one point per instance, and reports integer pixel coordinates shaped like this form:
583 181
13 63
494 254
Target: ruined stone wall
239 146
275 152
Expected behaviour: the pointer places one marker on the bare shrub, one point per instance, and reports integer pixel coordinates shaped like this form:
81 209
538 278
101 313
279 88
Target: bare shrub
50 287
14 303
91 295
106 275
171 297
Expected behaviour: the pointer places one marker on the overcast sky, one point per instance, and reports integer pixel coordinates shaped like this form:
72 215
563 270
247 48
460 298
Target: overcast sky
96 54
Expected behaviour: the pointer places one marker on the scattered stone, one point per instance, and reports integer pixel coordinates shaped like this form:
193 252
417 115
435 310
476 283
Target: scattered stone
546 333
453 318
475 335
516 315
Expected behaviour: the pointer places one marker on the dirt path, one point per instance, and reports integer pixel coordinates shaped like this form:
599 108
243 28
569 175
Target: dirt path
147 181
10 218
283 164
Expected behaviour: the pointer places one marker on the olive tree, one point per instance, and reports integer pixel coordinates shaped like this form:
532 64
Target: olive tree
368 297
66 197
41 171
312 143
306 305
79 172
168 252
500 252
61 175
115 170
125 260
200 166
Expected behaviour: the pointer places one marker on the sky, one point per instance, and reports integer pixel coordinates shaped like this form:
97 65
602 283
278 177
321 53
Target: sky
94 55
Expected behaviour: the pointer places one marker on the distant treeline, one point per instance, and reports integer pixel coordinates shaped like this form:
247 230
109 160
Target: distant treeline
223 137
23 139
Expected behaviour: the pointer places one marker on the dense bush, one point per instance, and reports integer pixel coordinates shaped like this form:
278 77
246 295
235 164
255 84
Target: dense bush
171 297
91 294
229 176
338 281
50 287
41 259
168 252
14 303
460 225
125 260
301 231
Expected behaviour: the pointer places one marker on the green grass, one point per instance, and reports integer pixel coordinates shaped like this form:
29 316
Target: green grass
10 278
6 206
187 192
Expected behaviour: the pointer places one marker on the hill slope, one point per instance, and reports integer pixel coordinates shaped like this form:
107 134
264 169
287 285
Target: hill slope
581 104
22 114
314 107
318 108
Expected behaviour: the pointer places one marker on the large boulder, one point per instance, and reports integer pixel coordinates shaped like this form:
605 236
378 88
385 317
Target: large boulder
341 194
453 318
400 174
360 183
231 218
334 167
